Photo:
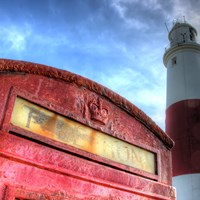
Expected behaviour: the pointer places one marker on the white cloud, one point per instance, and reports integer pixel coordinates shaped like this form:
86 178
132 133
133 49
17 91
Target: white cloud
123 79
152 100
135 86
122 9
14 37
151 4
188 9
18 38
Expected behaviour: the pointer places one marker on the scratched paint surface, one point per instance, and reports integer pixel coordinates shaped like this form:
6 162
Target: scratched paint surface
38 120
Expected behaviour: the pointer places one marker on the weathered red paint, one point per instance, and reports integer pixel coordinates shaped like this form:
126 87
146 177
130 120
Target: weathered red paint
35 167
183 124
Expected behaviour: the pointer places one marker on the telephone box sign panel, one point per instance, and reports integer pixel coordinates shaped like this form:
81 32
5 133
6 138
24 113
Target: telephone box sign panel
39 120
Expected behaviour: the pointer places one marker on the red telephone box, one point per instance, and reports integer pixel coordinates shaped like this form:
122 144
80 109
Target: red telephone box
66 137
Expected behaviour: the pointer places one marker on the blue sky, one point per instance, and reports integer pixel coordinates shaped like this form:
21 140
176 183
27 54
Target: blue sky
117 43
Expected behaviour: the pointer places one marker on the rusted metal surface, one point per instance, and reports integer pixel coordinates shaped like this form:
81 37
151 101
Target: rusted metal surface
38 69
70 138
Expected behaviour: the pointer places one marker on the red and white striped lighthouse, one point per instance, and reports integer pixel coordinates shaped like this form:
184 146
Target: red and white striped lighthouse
182 61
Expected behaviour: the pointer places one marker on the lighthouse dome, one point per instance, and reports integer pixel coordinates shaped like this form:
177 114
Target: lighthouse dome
182 33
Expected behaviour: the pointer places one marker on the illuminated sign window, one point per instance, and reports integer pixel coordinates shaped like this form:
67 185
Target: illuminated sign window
41 121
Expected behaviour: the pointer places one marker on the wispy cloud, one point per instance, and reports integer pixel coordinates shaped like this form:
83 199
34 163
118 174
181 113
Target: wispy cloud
15 38
188 9
121 8
139 89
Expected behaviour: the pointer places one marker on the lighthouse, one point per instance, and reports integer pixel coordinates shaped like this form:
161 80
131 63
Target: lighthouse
182 61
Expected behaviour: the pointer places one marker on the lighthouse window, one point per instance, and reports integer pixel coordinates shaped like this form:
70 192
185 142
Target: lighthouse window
191 35
174 61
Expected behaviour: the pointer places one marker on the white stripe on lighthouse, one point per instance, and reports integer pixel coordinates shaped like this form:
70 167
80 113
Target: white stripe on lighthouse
183 70
188 185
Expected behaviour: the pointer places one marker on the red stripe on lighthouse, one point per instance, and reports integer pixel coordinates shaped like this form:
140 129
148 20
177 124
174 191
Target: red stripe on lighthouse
183 125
